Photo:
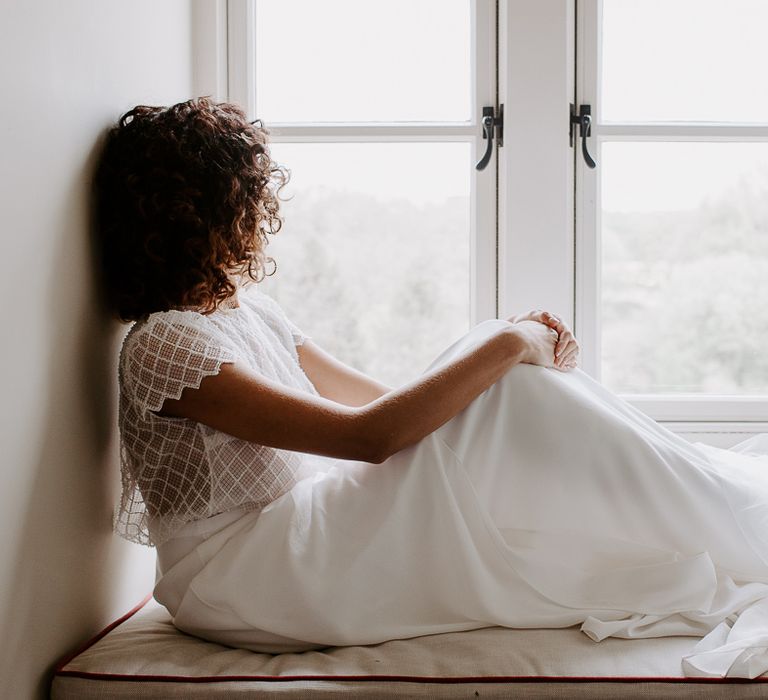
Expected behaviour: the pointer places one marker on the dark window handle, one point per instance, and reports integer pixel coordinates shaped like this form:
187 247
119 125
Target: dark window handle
584 120
492 127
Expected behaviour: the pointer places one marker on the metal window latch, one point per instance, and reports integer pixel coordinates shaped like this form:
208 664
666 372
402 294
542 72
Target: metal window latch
584 120
493 127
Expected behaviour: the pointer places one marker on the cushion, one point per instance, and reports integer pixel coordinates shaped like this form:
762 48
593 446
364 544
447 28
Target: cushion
142 655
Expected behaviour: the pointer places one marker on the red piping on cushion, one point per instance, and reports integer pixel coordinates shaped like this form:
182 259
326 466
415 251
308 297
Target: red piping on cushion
120 620
89 675
405 679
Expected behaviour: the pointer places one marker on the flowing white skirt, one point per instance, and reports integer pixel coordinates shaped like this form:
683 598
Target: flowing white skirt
547 502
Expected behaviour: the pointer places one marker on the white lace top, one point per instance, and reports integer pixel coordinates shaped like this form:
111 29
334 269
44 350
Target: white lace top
176 470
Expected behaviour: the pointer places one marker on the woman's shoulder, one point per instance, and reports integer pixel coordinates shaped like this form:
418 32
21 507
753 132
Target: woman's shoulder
168 351
175 335
163 324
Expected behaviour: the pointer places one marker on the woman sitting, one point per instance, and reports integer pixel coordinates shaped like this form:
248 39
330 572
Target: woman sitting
296 503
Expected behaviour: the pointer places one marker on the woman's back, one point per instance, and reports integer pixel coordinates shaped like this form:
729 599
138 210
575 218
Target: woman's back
176 470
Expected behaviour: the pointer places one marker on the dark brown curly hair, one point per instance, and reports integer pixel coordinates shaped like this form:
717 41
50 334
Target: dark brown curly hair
185 197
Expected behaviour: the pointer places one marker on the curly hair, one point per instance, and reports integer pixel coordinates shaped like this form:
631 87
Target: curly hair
185 198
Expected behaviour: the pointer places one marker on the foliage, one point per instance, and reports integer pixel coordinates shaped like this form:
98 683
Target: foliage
384 285
685 297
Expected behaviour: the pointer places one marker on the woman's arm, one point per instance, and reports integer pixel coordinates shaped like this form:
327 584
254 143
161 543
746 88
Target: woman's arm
336 381
242 403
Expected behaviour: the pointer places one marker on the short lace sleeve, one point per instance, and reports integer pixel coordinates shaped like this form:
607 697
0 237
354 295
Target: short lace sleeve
169 354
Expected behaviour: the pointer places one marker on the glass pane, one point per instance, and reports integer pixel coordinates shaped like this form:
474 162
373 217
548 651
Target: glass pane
685 267
346 60
373 259
684 60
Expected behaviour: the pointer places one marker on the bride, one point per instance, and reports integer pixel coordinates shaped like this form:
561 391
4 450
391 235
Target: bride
296 503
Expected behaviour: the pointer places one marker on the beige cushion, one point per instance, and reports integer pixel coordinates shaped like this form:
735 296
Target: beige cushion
145 656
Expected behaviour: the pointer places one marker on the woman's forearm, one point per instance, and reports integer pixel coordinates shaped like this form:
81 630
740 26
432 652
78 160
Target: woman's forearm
337 381
249 406
406 415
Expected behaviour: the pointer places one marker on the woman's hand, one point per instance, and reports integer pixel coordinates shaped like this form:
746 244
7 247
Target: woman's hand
538 341
567 348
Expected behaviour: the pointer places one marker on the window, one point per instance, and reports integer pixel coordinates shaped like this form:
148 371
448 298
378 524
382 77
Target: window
673 245
395 244
388 249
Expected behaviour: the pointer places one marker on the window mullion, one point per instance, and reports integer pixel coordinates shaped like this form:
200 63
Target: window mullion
536 82
372 132
587 224
689 131
241 53
483 189
209 59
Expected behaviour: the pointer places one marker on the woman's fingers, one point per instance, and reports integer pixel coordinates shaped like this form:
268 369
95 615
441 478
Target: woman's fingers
568 356
570 352
572 364
566 346
565 342
551 320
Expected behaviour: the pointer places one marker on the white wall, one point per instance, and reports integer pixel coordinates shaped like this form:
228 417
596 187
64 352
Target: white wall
68 70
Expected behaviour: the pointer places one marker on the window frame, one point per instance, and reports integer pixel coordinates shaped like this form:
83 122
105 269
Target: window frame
750 413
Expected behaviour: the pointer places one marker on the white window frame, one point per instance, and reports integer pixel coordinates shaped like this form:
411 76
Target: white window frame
544 251
690 412
209 49
241 88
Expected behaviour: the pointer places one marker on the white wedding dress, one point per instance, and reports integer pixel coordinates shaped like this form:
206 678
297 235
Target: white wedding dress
547 502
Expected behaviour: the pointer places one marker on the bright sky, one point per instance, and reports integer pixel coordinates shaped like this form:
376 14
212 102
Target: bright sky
357 60
681 60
